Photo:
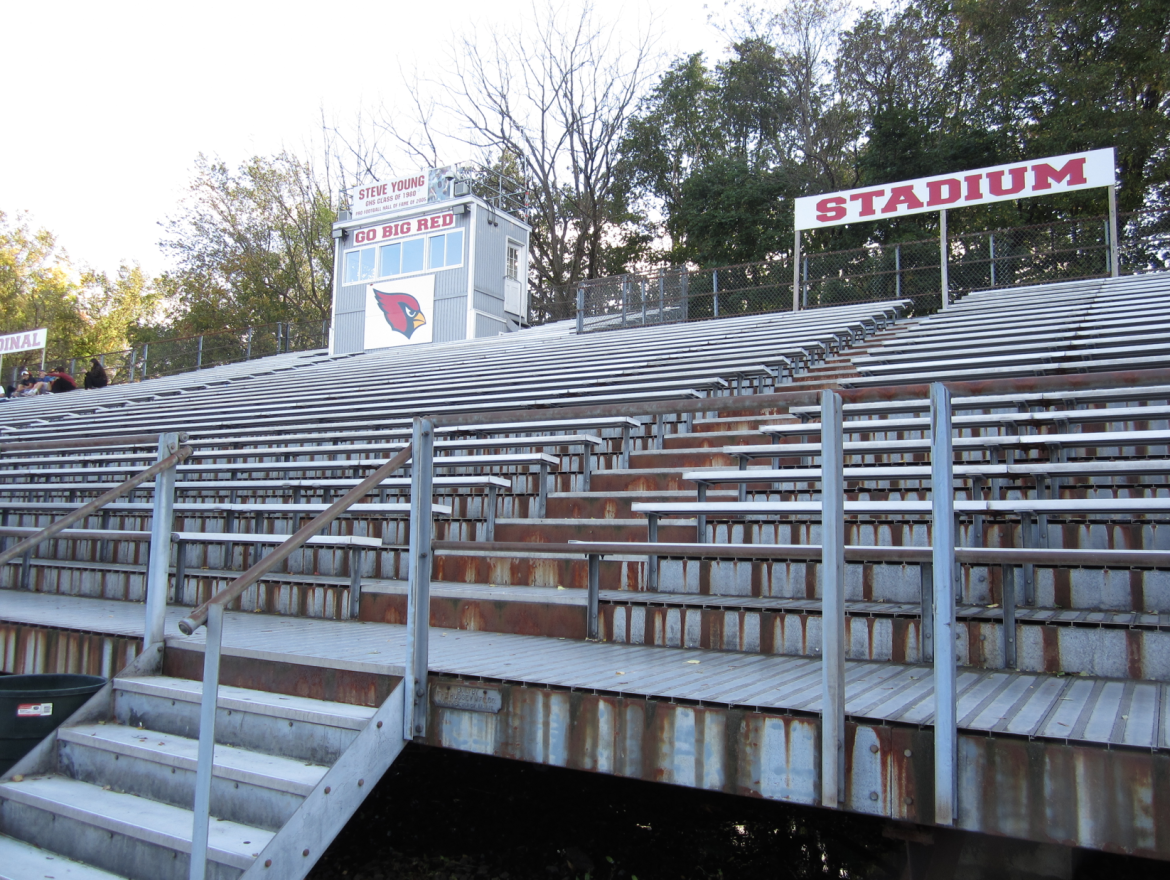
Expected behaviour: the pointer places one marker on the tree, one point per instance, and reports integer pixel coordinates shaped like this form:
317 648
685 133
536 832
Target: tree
556 94
252 246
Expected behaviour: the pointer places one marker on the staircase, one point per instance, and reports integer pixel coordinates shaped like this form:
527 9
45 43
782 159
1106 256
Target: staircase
110 795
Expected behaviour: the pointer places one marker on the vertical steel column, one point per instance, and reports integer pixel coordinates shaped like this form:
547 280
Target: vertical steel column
715 292
248 350
205 766
1113 252
943 560
145 357
580 309
418 608
832 602
991 250
804 283
661 299
161 525
643 288
945 280
796 272
897 271
199 356
623 301
591 631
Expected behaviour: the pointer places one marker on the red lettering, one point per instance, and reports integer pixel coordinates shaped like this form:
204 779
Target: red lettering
831 209
974 190
995 181
405 228
954 189
448 219
359 237
902 195
388 231
866 199
1046 175
423 224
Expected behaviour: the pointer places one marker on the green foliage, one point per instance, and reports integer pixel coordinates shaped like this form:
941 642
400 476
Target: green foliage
252 246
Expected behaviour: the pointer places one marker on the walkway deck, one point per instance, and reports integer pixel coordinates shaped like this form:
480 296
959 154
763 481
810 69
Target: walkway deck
1079 709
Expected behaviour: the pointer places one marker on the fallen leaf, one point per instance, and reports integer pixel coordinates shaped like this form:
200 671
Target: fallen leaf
694 661
619 673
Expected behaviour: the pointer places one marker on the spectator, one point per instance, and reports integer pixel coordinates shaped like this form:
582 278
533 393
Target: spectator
60 380
96 376
26 385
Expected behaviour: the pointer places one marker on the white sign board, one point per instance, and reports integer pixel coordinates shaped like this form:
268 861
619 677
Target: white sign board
404 228
400 311
375 198
1018 180
24 341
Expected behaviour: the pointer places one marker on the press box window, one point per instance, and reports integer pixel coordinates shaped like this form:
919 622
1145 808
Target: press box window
359 266
440 252
513 262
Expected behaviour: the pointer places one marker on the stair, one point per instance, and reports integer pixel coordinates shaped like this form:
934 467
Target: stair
113 796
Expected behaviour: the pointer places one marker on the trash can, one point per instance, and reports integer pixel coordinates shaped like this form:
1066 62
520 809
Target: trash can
31 707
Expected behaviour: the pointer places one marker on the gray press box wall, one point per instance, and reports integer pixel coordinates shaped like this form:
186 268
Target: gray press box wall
473 299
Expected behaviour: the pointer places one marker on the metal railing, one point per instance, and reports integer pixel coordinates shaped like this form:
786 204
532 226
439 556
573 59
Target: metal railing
184 354
1065 250
211 612
170 455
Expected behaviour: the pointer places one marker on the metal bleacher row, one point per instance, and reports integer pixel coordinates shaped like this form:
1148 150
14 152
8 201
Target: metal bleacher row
276 439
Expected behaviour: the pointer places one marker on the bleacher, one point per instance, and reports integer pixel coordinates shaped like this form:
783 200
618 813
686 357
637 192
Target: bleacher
660 488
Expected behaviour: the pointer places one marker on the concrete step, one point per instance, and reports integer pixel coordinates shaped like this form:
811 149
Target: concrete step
130 836
300 728
247 787
23 861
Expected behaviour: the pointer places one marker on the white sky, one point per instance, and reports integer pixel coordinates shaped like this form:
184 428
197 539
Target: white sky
108 103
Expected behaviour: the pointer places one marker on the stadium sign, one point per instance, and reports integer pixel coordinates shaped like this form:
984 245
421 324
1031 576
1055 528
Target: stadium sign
28 341
1016 180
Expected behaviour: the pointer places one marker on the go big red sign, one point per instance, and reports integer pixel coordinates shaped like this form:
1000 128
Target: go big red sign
1019 180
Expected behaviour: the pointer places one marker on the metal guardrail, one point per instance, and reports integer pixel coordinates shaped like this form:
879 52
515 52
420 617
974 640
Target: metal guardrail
1065 250
210 613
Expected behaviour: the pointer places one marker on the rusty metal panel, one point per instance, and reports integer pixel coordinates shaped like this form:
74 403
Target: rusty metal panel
26 650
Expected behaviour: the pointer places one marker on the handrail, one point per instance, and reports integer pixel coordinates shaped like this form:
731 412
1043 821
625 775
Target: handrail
198 617
91 507
84 442
785 399
853 552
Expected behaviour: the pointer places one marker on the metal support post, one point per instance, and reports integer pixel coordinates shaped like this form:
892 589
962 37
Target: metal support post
145 357
1009 616
945 281
832 602
804 283
592 628
796 272
715 292
418 610
161 525
897 271
943 559
623 301
991 250
205 766
248 350
199 356
1113 252
643 289
355 581
661 299
652 559
580 309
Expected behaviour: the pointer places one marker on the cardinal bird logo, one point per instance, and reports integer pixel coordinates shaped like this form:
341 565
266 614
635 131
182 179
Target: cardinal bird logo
402 311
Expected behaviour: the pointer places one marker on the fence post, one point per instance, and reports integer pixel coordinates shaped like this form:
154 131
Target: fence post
72 365
804 283
897 271
991 249
206 753
943 562
945 282
580 309
161 525
661 299
145 355
685 284
199 356
418 608
248 350
623 300
796 272
832 602
715 292
1114 268
643 290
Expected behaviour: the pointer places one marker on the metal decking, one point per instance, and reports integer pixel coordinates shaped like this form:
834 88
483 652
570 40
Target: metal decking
1073 709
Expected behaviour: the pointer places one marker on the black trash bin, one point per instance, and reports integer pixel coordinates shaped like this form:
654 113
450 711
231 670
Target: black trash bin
31 707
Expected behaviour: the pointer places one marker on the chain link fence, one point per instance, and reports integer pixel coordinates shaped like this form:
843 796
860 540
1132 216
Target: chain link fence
910 270
166 357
